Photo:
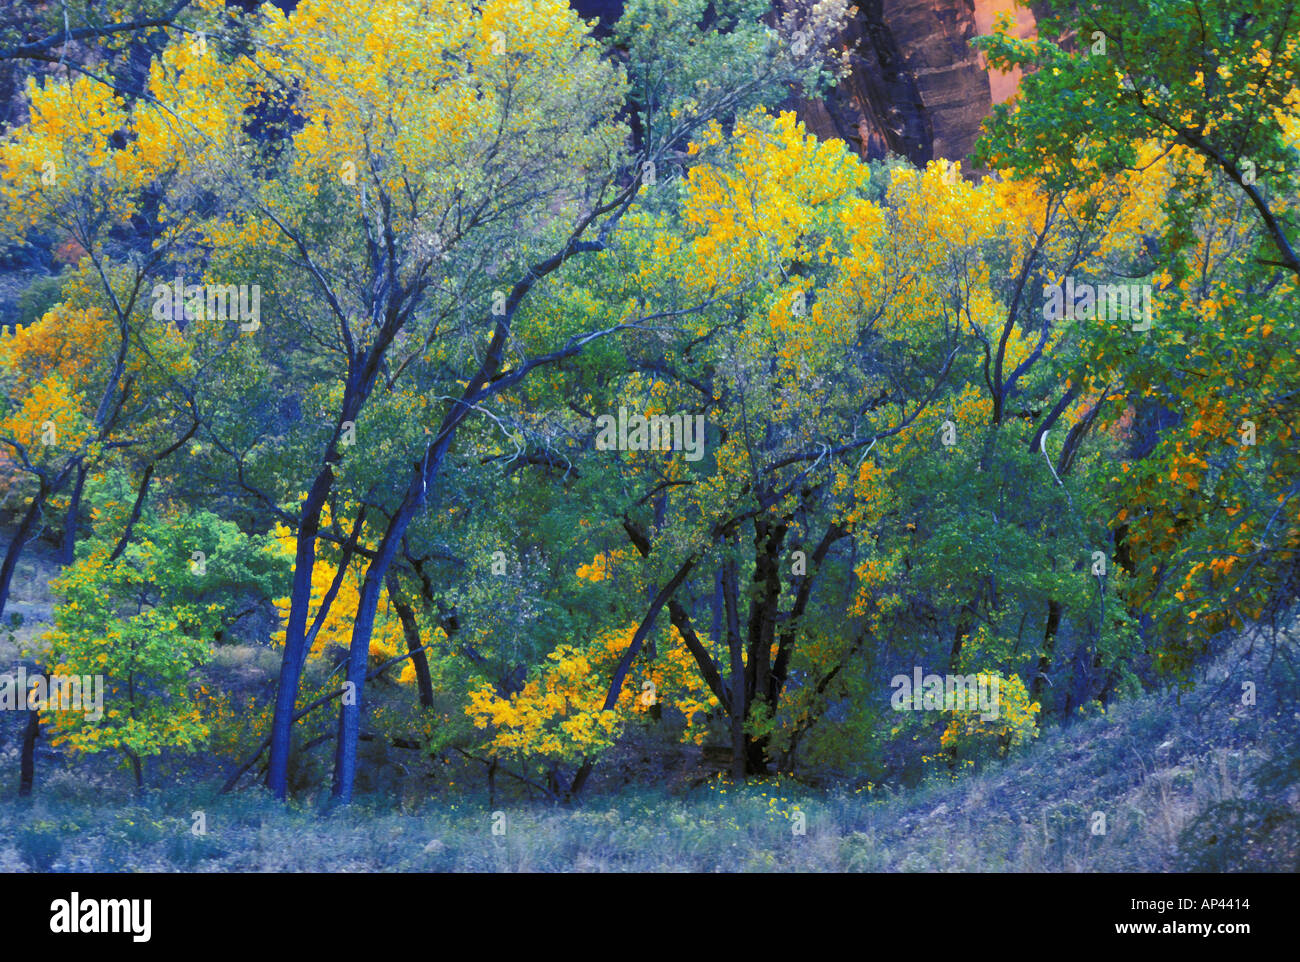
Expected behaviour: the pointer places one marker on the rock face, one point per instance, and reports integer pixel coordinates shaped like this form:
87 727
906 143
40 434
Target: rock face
1004 85
916 87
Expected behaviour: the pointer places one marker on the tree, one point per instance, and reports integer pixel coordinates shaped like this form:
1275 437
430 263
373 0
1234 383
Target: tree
88 166
142 622
1206 496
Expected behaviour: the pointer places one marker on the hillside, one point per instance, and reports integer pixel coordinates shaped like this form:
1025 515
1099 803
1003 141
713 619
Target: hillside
1196 782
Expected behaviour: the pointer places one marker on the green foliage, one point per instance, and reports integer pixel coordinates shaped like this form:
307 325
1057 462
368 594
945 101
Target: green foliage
37 298
1203 96
145 621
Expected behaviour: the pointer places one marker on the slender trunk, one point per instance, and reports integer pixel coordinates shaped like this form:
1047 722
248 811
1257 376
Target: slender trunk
762 629
789 633
345 754
730 591
26 528
295 636
625 663
681 620
142 490
411 629
716 627
579 780
425 471
642 632
141 493
70 522
754 616
238 773
1049 644
27 767
810 717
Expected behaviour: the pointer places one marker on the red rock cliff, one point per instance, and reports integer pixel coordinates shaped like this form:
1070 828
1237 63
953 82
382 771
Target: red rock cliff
916 86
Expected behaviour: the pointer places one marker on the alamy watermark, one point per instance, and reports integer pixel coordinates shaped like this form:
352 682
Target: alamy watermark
75 915
37 692
921 692
215 302
657 432
1104 302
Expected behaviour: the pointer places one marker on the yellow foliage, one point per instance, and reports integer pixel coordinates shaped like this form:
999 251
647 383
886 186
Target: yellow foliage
560 713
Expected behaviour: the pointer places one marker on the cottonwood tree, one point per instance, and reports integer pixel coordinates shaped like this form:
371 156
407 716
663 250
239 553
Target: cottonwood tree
818 381
779 369
440 166
1206 495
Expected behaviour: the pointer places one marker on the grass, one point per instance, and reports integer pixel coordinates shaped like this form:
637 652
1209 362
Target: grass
1190 781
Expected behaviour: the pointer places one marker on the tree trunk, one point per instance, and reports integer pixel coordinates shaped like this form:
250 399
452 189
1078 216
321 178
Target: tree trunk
26 528
768 540
27 767
789 631
411 629
730 591
70 522
1049 644
681 620
345 755
142 490
579 780
295 636
137 508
